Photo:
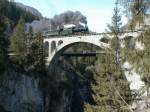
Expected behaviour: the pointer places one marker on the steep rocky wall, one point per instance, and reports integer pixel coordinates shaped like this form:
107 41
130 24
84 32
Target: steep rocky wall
71 90
20 93
64 91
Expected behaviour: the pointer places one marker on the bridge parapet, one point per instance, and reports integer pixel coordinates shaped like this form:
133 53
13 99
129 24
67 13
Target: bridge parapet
58 43
47 35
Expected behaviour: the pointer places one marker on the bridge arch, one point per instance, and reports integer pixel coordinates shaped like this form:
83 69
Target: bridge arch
53 46
95 39
63 47
46 47
60 42
65 42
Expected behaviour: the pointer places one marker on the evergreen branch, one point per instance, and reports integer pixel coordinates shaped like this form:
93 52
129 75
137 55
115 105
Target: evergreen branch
124 100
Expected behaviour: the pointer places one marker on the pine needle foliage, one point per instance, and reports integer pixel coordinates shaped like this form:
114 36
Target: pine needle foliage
112 92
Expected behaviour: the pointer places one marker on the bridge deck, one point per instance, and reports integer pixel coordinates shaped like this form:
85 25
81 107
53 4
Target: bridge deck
46 35
82 54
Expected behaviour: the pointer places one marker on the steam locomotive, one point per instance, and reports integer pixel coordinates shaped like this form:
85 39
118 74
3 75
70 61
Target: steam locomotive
68 30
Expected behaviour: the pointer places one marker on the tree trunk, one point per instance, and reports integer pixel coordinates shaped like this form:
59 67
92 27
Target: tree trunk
147 98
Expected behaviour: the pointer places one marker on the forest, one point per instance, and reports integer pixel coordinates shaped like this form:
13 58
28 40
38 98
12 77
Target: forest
83 84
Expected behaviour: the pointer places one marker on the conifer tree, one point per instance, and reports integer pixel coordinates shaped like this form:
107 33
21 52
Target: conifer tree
28 49
18 43
140 60
29 61
111 86
115 29
136 10
38 53
29 40
3 47
143 65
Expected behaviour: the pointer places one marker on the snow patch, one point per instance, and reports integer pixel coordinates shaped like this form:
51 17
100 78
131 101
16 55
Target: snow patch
139 45
135 80
127 65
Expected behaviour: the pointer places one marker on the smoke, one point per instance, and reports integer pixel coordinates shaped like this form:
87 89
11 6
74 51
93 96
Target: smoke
68 17
60 20
39 26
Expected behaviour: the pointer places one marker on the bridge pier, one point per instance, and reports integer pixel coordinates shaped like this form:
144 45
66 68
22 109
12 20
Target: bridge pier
57 45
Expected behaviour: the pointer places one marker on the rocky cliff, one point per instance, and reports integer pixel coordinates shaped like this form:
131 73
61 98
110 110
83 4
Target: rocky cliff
20 93
62 90
32 10
72 89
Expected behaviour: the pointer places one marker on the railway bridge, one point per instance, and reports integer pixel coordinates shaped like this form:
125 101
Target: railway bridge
58 44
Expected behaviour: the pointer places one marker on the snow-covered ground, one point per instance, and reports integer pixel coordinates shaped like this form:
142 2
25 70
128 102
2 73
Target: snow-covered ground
134 78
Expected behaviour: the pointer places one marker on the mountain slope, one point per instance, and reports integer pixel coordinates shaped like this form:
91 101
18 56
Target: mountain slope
29 9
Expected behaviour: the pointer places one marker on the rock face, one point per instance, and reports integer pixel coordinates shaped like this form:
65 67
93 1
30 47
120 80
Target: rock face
29 9
65 91
72 90
20 93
